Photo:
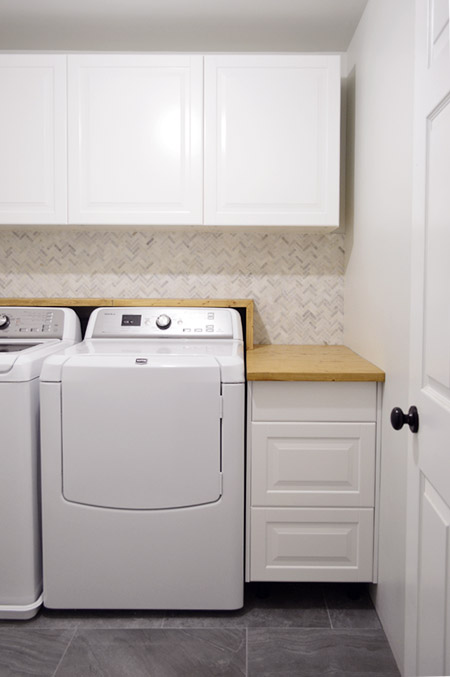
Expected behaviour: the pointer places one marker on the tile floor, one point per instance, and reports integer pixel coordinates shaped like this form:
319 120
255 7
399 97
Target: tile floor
284 630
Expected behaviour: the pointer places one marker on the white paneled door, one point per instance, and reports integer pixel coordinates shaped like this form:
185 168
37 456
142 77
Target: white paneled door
135 139
428 535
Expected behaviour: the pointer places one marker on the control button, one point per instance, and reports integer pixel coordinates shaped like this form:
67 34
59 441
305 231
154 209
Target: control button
163 322
209 327
210 316
198 330
4 321
187 329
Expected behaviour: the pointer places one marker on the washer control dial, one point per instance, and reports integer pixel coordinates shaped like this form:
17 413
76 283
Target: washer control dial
4 321
163 322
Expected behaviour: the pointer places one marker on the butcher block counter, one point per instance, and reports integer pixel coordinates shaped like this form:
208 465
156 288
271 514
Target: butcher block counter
309 363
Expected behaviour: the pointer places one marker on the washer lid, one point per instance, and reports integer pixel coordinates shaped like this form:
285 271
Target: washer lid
141 433
228 354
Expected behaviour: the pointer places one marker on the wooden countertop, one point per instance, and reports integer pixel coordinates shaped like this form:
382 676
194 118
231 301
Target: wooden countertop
309 363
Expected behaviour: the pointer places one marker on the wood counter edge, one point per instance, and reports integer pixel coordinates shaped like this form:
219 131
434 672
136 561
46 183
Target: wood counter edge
310 363
118 302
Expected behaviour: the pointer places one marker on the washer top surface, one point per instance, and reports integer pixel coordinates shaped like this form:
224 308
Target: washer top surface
30 334
119 337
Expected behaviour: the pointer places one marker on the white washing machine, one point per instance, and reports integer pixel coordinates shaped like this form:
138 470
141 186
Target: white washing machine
27 337
143 462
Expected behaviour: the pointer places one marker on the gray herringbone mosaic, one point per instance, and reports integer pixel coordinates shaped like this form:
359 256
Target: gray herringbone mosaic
295 279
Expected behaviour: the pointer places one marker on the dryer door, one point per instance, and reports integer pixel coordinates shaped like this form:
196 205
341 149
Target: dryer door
141 432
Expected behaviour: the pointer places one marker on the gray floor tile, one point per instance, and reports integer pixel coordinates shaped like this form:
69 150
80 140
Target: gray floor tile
282 605
308 653
31 652
155 652
350 607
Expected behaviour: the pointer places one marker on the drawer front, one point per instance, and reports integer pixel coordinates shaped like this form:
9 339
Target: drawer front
301 544
313 464
297 401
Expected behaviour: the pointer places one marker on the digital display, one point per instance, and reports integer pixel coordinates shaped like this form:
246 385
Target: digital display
131 320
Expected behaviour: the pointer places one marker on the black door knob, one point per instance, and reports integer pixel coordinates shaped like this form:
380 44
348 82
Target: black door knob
398 419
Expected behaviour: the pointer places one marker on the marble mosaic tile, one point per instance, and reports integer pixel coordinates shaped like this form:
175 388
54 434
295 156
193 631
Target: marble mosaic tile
295 279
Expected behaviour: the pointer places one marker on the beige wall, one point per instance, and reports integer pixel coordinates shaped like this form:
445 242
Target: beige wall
296 280
377 278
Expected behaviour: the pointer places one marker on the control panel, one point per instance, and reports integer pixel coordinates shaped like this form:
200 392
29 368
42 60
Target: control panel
162 323
31 323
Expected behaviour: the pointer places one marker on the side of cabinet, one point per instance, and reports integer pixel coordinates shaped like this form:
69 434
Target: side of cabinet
312 482
33 158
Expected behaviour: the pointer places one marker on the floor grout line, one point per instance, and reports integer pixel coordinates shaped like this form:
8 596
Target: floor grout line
246 652
328 610
65 651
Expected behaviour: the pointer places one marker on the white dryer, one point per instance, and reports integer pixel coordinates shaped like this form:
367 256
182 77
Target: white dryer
143 462
27 337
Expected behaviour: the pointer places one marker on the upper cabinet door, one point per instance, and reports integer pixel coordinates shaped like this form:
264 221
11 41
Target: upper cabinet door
33 156
135 139
272 130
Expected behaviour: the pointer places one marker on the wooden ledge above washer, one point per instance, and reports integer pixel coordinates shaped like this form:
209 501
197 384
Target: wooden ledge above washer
309 363
247 304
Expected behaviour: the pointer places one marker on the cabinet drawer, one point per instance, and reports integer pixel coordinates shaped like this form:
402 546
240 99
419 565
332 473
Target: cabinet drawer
313 464
307 401
301 544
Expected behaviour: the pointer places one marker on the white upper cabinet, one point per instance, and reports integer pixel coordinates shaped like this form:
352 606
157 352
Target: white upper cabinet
272 130
33 156
147 139
135 139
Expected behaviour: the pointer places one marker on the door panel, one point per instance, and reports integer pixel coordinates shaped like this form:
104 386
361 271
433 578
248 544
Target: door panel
141 436
433 584
428 553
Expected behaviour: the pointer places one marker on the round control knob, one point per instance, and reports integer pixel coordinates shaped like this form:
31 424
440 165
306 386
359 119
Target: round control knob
4 321
163 322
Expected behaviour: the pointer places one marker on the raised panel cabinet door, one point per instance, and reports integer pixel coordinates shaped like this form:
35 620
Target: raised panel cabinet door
135 139
311 544
313 464
33 157
272 127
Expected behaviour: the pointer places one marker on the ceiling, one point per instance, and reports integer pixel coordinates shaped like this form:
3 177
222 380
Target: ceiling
179 25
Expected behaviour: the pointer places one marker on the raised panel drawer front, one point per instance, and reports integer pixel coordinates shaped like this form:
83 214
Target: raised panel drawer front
33 155
135 139
310 401
272 133
301 544
313 464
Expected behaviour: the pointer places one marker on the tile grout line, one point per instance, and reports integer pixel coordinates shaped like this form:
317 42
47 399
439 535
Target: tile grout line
65 650
246 651
326 606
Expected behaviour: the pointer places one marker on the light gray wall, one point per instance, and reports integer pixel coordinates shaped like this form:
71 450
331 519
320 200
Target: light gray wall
377 278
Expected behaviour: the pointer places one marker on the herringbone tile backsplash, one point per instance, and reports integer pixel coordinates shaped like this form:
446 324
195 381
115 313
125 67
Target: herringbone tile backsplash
295 279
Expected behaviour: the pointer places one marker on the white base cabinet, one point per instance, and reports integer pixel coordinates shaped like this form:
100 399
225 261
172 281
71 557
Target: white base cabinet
311 481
